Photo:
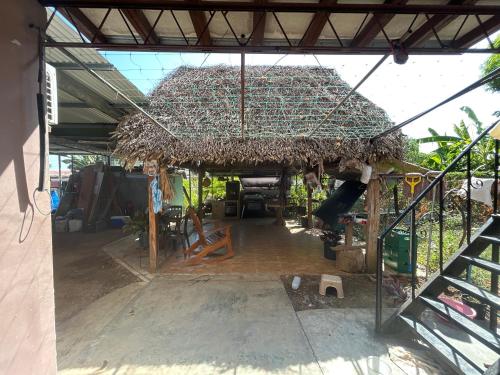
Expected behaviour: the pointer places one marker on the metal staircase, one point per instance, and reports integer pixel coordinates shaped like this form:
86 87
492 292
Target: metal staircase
468 346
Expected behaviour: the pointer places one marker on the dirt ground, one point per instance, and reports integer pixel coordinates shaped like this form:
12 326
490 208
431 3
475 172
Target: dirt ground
359 292
83 272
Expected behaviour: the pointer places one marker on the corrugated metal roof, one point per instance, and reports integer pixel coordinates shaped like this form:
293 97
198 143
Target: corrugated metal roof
60 30
79 120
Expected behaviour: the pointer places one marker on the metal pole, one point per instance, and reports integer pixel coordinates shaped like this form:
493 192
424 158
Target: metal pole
60 177
413 252
441 226
242 82
380 275
469 213
495 188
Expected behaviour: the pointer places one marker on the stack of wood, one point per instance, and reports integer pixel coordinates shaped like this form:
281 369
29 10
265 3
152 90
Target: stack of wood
96 195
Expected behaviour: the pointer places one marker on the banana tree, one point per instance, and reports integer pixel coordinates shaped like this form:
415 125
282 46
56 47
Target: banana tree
450 146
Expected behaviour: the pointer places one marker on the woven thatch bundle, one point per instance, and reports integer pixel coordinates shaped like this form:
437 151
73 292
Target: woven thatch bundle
201 107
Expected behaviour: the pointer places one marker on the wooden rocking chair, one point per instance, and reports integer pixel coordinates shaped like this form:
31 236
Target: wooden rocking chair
209 241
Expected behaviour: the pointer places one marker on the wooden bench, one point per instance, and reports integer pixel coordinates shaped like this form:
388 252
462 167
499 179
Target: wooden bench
208 241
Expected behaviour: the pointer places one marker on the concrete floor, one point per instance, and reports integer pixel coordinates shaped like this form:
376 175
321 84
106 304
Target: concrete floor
110 321
83 272
217 325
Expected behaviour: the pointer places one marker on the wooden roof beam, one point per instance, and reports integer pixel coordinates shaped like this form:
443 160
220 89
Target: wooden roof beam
489 26
200 26
316 26
434 24
79 20
259 25
141 24
373 27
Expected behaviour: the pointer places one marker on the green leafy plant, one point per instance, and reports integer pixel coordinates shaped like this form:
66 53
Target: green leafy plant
492 63
138 224
450 146
78 162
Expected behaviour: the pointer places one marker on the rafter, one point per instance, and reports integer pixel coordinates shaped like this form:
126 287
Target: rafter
489 26
141 24
259 25
433 24
316 26
199 22
374 25
83 24
274 6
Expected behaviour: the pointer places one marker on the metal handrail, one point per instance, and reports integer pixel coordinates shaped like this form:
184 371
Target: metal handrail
411 208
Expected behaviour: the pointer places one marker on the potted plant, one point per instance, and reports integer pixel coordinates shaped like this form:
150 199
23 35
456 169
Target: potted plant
479 307
138 226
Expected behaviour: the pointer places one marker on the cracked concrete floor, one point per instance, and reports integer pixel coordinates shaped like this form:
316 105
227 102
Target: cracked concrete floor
227 324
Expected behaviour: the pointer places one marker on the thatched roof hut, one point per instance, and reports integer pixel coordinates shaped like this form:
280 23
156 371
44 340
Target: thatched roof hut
284 120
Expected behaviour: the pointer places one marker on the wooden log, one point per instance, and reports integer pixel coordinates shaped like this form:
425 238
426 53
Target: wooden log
153 231
373 204
349 233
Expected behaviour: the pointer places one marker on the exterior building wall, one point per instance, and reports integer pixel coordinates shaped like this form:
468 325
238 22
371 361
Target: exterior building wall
27 329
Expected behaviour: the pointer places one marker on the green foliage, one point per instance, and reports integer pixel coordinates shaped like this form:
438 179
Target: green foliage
81 161
449 147
138 224
298 191
216 190
451 240
492 63
413 154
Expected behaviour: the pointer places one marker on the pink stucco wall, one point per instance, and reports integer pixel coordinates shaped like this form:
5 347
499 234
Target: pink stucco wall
27 333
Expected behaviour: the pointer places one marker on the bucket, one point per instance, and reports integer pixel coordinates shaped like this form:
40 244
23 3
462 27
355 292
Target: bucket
376 366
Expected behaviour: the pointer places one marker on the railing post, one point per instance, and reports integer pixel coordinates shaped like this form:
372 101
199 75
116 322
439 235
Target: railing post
441 226
495 248
380 275
469 213
495 188
413 252
494 287
468 202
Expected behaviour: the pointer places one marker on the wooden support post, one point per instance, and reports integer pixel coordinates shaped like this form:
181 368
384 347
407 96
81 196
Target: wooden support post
373 204
309 207
349 233
153 231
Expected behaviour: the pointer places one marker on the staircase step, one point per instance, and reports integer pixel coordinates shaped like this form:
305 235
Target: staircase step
492 239
452 356
488 338
479 293
482 263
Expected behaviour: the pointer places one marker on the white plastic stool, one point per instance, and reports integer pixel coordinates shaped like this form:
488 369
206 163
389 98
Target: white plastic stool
332 281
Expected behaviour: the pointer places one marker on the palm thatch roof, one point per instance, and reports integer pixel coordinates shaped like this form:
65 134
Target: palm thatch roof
285 120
